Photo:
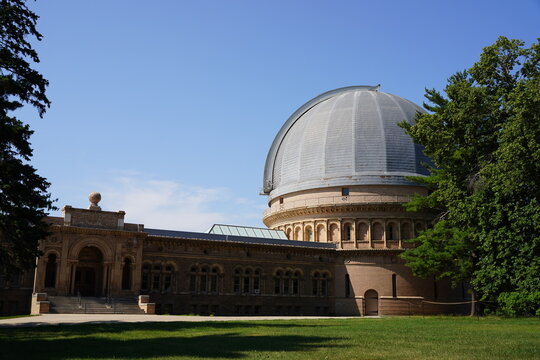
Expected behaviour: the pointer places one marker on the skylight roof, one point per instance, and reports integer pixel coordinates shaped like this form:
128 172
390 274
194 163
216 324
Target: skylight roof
247 231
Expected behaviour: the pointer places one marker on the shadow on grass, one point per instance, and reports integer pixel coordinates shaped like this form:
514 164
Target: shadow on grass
92 341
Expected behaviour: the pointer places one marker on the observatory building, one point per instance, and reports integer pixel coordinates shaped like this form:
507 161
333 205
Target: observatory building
336 177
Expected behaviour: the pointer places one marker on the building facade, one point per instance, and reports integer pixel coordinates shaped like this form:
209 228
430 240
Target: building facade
336 177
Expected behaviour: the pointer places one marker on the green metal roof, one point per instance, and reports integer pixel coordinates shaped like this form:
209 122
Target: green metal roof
247 231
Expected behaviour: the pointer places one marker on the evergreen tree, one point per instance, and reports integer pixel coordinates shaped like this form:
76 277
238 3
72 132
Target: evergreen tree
484 139
23 193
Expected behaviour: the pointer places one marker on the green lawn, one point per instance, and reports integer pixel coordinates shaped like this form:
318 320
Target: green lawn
386 338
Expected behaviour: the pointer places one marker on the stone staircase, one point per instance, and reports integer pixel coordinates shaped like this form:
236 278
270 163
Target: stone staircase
65 305
93 305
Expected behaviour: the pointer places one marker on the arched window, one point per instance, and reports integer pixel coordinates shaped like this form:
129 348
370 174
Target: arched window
391 231
320 283
405 231
247 281
278 282
321 233
324 284
315 283
377 231
126 274
50 271
308 234
347 232
203 279
193 278
298 233
295 283
168 278
257 281
156 277
145 277
214 275
289 232
286 283
361 231
334 232
237 280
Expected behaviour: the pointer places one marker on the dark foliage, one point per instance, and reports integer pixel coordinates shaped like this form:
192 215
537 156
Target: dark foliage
484 138
23 193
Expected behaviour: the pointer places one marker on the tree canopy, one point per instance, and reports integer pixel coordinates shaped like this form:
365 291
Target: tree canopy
484 140
23 193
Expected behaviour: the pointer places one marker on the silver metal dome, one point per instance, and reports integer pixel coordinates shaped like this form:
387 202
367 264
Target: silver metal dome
344 137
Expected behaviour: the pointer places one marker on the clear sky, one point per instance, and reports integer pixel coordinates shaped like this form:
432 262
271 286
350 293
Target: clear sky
168 108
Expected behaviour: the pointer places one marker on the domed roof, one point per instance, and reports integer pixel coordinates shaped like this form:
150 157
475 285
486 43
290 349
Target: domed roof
344 137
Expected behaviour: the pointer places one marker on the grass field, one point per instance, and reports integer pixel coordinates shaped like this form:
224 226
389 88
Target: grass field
386 338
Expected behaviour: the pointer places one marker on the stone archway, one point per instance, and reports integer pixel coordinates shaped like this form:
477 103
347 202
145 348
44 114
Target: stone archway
89 272
371 298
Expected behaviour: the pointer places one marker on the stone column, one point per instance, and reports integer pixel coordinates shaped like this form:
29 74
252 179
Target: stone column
399 233
369 233
385 224
73 266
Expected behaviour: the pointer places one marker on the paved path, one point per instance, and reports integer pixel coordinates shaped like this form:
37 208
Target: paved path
70 319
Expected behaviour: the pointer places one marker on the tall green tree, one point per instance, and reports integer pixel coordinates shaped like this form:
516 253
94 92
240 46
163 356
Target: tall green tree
23 193
484 139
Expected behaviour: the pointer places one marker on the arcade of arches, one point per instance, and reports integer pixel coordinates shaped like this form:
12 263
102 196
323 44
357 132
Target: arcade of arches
356 233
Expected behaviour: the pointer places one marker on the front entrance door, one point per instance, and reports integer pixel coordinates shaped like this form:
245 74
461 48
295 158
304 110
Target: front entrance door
85 281
89 272
372 303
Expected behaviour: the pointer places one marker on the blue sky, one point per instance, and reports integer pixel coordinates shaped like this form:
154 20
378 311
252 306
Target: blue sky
168 108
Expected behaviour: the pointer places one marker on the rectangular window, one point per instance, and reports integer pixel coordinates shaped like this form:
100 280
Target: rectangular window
323 287
203 284
155 281
394 285
295 286
144 284
277 286
167 282
344 191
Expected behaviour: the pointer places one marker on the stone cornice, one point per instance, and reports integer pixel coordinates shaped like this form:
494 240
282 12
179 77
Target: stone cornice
390 210
95 231
291 249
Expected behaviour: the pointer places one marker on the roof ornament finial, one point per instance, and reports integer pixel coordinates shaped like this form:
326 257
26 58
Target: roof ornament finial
94 198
